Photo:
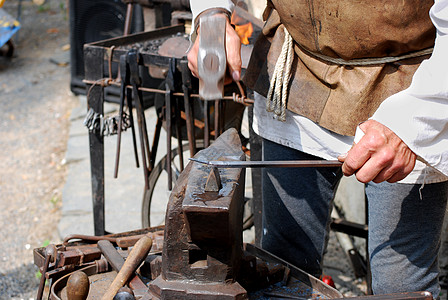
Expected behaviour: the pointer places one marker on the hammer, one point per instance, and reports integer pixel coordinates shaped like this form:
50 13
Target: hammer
212 62
137 255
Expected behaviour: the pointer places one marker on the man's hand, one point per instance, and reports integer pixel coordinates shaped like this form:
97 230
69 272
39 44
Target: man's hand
233 53
379 156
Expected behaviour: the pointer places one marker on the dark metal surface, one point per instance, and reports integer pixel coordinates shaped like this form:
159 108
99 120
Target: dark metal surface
202 250
269 164
138 100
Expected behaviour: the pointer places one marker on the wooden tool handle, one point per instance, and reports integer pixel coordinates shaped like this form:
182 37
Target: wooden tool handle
138 253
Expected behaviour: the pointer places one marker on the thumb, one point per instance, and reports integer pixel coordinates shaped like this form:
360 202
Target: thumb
359 134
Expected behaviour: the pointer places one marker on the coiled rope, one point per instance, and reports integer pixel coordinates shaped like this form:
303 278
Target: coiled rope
278 90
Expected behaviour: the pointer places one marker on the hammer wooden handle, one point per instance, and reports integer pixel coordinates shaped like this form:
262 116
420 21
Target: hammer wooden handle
138 253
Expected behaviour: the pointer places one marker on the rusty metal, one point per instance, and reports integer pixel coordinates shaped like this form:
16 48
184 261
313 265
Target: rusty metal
213 183
186 87
124 80
235 97
117 261
56 289
131 121
78 286
137 96
212 61
121 241
270 164
128 19
40 290
202 250
133 261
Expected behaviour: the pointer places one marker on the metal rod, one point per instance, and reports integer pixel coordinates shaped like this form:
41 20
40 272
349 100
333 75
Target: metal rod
128 19
179 133
155 141
189 121
131 121
40 291
206 124
120 114
270 164
217 118
222 109
246 101
168 135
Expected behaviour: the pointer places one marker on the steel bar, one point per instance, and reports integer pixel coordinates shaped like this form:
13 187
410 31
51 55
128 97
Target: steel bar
94 69
155 141
179 133
270 164
128 19
207 124
123 75
40 291
217 118
168 132
131 121
135 80
186 86
246 101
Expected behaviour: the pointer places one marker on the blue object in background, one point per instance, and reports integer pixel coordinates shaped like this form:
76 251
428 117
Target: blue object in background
8 27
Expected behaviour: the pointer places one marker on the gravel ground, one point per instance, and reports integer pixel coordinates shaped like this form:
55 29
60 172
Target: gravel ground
35 106
34 118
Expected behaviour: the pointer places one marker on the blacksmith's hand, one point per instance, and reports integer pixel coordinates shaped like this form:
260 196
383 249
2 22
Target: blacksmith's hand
380 155
233 53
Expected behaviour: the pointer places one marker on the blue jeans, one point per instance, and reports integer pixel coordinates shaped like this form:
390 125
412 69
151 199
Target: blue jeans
404 229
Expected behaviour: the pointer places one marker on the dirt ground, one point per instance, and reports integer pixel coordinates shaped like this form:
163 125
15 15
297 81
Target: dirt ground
36 102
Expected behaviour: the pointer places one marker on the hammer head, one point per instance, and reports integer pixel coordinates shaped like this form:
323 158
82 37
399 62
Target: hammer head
212 61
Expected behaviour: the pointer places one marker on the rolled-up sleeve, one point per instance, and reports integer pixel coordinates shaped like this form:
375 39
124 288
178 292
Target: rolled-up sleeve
198 6
419 114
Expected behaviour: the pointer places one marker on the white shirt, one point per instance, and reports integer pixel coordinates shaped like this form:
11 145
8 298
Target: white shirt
418 115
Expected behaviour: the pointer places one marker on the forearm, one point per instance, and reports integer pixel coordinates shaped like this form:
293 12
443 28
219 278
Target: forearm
418 115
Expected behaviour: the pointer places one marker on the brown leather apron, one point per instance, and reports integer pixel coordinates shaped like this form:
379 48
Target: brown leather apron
338 96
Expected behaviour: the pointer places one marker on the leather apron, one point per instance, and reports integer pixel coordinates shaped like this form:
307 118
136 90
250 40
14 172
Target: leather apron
338 95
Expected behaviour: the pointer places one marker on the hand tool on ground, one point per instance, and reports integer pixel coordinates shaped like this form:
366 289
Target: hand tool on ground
138 99
133 261
124 294
131 120
48 257
124 81
212 61
269 164
78 286
116 261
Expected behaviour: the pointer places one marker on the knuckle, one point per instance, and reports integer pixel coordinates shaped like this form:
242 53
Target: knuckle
361 177
385 157
347 170
375 140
